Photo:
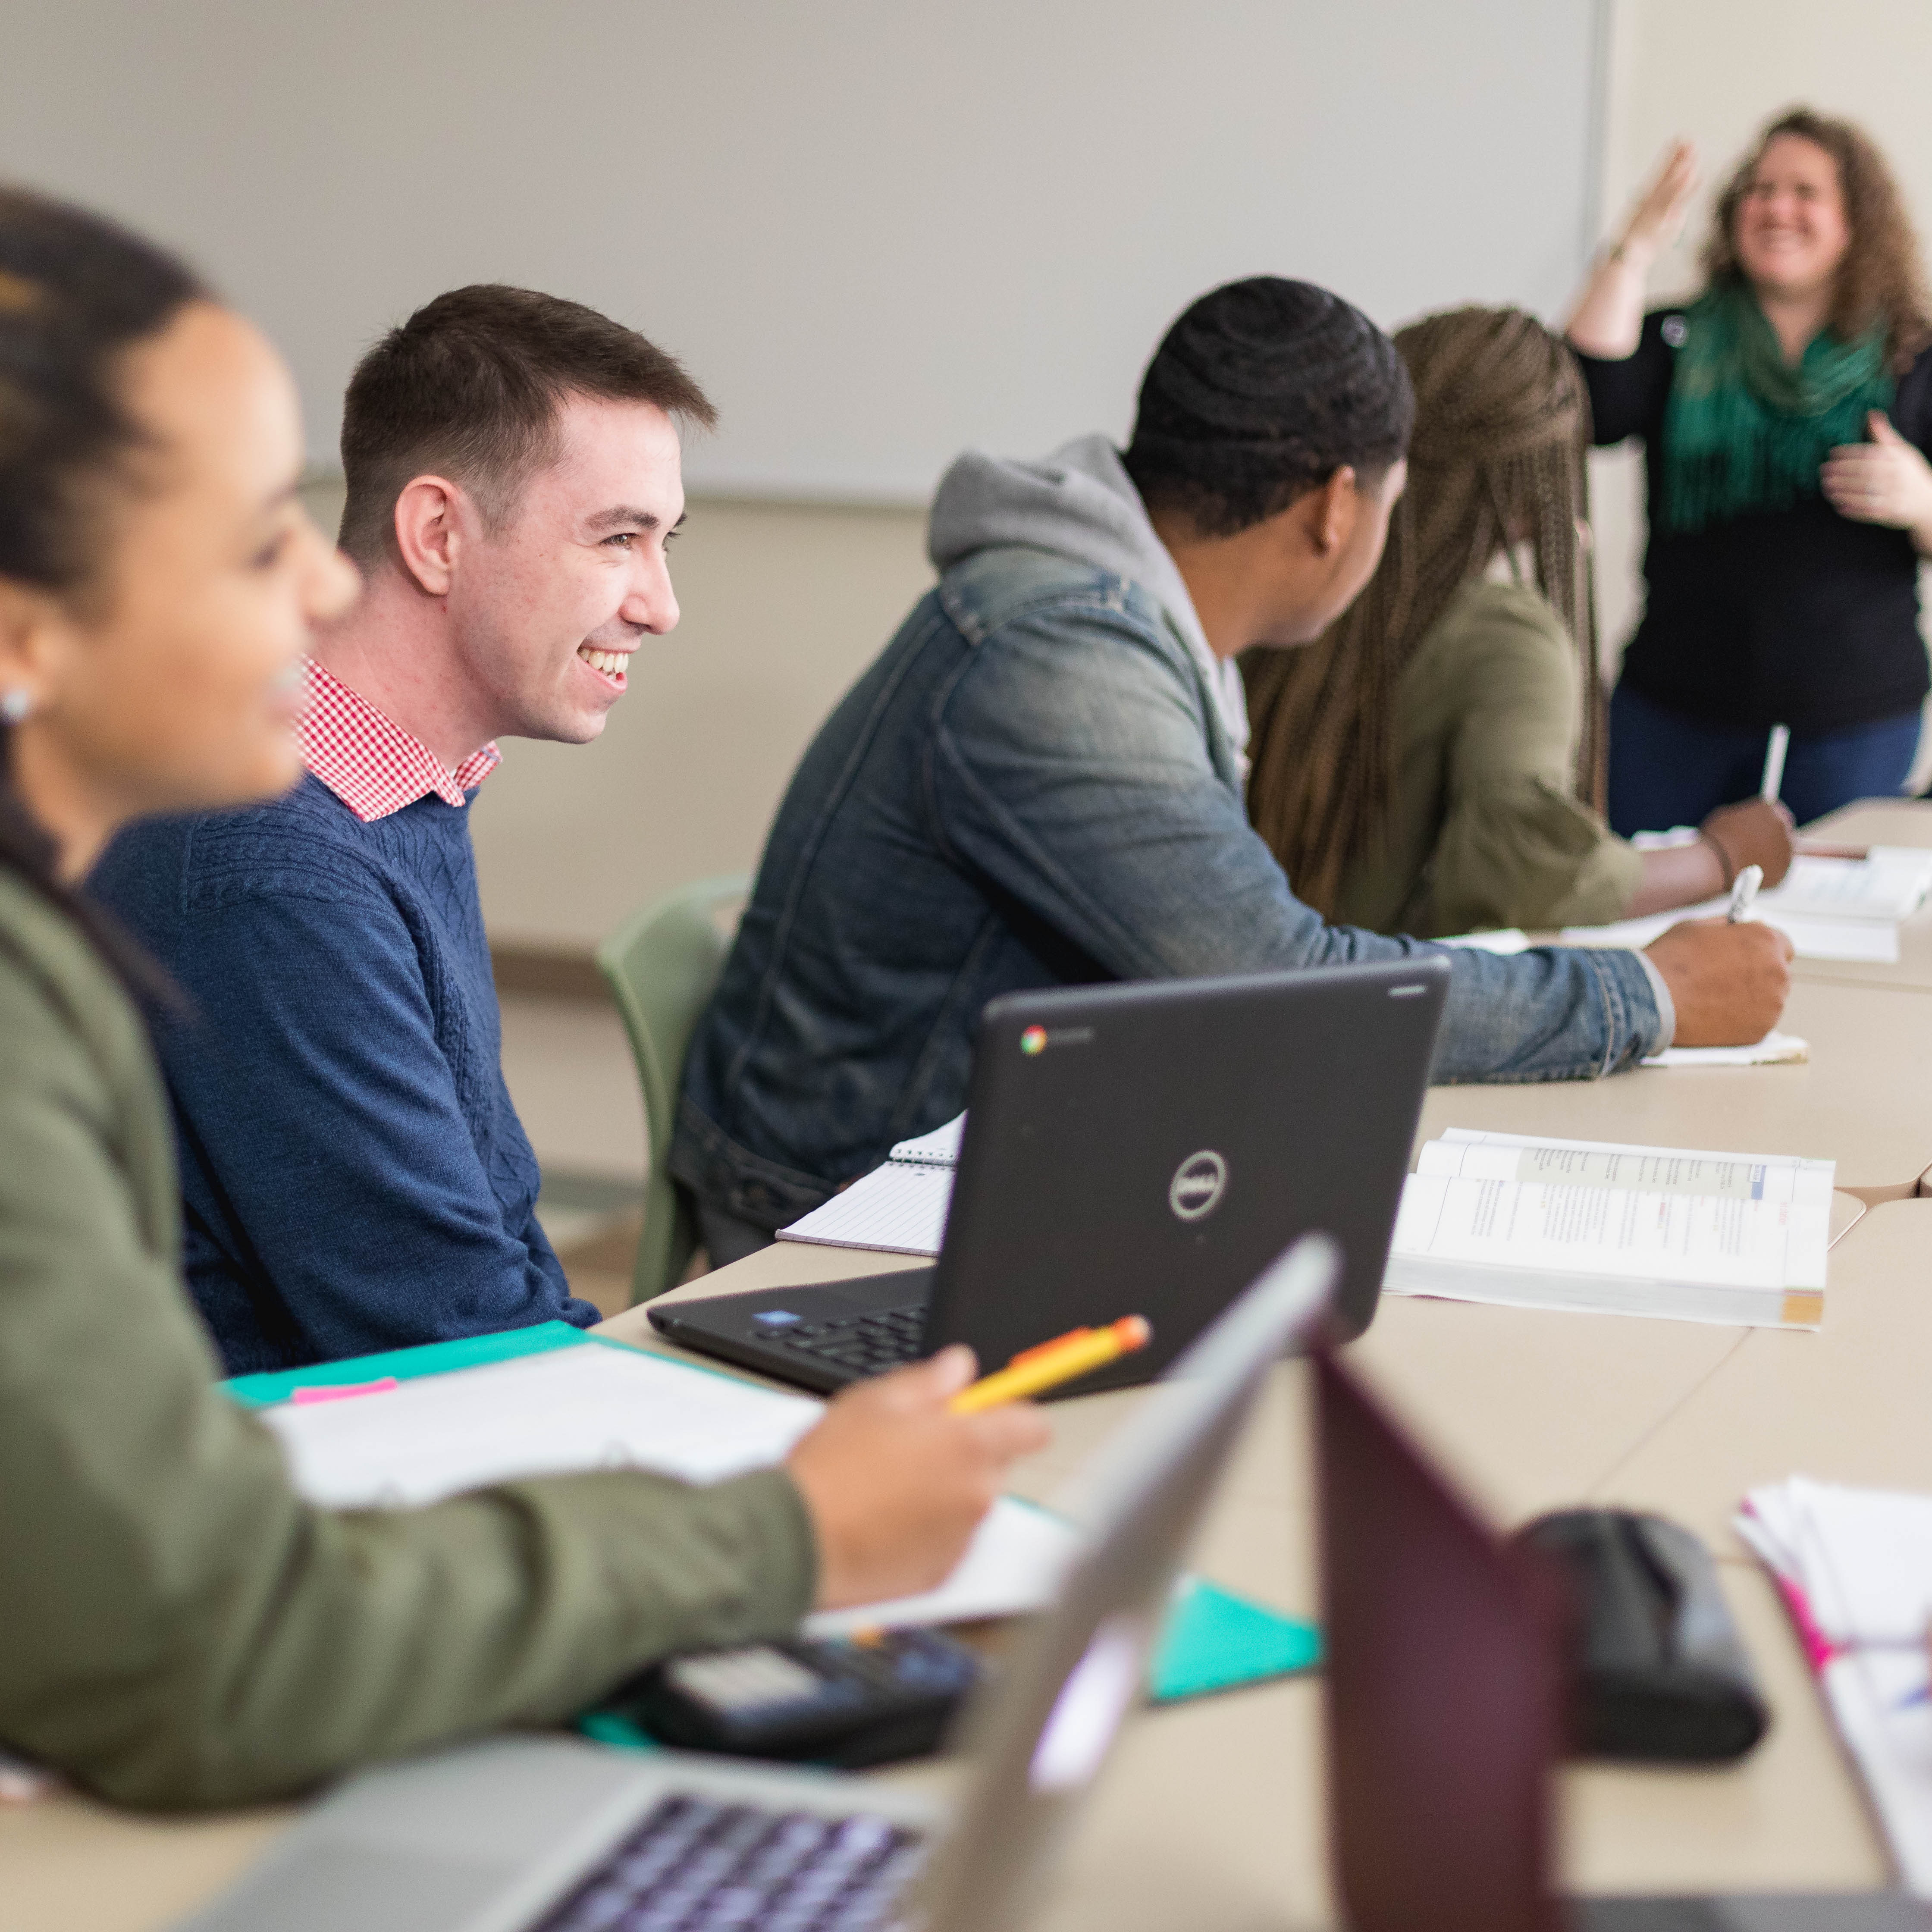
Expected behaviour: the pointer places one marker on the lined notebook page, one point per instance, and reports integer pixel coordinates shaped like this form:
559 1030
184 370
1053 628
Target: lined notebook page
598 1407
899 1209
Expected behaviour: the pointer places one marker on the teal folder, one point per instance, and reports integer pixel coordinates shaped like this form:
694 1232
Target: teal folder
433 1358
1215 1640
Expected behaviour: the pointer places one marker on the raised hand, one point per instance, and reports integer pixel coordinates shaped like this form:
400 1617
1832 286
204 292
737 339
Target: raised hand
1658 219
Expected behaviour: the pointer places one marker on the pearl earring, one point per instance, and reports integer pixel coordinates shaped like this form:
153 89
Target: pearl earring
16 706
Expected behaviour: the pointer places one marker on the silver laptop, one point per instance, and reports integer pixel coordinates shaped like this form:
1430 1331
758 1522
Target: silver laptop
549 1835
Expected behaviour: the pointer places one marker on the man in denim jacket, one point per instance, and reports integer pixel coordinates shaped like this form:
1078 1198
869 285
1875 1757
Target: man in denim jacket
1040 781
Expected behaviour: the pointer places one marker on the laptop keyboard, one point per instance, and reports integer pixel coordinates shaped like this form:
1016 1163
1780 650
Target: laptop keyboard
867 1345
695 1865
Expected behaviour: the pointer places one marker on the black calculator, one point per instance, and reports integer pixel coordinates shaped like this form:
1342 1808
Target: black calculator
844 1701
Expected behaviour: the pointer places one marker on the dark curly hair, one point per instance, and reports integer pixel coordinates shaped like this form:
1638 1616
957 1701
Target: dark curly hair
1881 282
1259 394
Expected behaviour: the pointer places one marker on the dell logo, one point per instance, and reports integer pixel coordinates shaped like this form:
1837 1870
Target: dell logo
1197 1185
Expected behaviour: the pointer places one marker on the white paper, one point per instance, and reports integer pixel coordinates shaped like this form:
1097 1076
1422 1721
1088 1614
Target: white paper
940 1148
899 1209
1890 883
597 1406
1873 941
1018 1558
1860 1561
1505 939
1774 1049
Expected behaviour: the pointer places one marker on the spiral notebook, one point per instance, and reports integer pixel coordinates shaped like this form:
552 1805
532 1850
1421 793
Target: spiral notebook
899 1208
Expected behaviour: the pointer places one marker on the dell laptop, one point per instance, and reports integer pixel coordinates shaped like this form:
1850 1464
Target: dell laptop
1446 1695
1140 1149
549 1835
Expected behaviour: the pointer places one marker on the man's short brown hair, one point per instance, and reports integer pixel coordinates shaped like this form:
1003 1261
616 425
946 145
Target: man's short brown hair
470 387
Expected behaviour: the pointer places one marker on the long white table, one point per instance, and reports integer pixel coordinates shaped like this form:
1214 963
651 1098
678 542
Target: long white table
1214 1816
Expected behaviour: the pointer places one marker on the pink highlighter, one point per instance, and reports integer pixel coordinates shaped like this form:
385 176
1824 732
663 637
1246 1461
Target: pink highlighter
340 1391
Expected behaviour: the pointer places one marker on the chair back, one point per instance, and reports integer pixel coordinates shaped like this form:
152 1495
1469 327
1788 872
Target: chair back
661 965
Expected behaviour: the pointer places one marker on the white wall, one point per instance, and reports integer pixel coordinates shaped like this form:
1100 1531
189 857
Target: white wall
1718 70
878 232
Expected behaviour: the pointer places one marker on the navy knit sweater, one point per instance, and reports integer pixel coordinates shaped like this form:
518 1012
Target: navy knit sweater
354 1174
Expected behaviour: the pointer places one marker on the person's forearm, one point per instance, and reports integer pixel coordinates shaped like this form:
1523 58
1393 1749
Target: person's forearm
1608 319
1679 875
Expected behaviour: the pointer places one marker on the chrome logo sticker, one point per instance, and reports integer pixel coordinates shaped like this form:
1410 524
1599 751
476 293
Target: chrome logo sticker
1198 1183
1033 1040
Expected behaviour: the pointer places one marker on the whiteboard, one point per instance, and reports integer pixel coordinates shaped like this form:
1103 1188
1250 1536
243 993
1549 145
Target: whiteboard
877 231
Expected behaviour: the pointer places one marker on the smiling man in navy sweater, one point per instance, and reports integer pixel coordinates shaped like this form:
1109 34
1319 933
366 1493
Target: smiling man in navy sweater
355 1177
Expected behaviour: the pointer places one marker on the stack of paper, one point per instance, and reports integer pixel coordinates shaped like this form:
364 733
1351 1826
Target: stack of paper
1854 1566
1843 909
1608 1229
900 1208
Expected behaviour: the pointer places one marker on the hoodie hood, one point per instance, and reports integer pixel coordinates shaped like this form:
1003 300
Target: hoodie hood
1079 503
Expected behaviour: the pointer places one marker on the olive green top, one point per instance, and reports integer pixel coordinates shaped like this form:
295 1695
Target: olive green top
1485 828
177 1627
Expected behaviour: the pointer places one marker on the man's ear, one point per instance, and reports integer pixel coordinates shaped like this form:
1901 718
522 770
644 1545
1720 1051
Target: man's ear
1334 507
426 514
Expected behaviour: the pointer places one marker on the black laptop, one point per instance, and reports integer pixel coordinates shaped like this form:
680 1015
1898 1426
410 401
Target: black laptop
1142 1149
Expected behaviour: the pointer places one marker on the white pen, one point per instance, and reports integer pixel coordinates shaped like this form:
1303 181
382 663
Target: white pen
1744 891
1779 743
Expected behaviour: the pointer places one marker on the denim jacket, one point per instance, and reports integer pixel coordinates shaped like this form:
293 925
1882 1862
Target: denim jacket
1035 785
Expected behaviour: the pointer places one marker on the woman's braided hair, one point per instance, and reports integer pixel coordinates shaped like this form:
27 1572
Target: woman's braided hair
1501 421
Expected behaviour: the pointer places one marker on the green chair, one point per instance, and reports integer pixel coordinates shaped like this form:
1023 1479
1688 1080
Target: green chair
662 964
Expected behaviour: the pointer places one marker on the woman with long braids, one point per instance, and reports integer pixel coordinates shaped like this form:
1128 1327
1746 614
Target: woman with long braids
1785 414
1434 764
177 1627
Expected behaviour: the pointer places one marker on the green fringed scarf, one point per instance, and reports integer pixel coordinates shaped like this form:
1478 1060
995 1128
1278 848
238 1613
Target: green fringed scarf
1743 430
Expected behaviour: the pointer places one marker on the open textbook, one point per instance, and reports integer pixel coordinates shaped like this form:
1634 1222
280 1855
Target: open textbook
1843 909
899 1208
1854 1569
1608 1228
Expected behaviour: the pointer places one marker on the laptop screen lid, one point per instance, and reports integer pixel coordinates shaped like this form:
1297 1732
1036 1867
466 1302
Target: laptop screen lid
1039 1741
1149 1148
1444 1688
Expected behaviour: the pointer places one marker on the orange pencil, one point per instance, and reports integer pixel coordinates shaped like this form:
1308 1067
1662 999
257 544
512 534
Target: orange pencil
1053 1363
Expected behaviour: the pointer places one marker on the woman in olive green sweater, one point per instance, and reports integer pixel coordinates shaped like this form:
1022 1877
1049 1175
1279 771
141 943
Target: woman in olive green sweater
177 1627
1434 764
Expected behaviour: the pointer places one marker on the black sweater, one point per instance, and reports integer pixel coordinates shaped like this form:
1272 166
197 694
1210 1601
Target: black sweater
1797 617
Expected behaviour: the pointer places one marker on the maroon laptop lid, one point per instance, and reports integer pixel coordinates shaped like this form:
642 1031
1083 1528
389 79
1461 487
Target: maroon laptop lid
1444 1690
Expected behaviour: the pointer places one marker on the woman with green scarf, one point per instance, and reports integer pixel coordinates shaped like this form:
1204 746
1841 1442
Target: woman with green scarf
1784 413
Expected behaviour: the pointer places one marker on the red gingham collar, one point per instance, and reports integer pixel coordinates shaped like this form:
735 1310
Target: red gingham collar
369 761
